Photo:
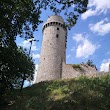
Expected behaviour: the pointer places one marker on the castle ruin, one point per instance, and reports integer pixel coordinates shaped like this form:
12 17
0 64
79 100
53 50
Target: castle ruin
53 54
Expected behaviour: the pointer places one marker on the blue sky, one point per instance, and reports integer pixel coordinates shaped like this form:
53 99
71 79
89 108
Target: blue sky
89 39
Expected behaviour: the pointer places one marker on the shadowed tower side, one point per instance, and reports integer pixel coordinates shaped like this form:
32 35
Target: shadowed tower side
53 49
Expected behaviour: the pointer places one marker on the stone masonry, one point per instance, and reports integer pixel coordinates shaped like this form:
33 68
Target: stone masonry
53 49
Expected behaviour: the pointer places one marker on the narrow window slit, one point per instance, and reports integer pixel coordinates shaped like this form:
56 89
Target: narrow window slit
57 28
57 35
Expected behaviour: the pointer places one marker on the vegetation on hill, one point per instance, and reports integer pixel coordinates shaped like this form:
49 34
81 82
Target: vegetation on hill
75 94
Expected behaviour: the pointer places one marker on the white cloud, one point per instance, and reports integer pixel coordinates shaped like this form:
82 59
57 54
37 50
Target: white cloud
101 28
26 44
68 56
73 49
105 65
85 48
78 37
35 75
108 53
88 13
34 56
96 7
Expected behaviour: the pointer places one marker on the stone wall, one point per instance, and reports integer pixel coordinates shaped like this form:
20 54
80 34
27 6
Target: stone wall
69 71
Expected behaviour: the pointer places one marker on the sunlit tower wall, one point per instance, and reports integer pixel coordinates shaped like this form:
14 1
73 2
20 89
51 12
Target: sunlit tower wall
53 49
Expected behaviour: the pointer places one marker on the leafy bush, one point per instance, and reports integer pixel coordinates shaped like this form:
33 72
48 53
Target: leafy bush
76 66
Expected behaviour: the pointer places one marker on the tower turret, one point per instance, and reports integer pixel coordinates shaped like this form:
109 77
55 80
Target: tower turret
53 49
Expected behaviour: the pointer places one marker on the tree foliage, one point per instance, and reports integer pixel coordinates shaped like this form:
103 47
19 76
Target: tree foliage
90 63
22 17
15 18
13 65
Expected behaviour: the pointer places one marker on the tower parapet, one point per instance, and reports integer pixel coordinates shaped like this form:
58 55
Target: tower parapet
55 21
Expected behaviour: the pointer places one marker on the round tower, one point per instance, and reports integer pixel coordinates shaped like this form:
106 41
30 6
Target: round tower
53 49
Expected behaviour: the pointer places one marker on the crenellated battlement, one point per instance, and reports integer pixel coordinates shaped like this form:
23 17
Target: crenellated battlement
54 24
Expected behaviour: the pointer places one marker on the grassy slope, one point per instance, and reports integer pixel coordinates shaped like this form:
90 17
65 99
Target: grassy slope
74 94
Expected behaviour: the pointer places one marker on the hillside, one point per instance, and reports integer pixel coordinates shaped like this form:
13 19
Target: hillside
74 94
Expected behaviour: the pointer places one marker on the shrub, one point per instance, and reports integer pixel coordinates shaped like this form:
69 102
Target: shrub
76 66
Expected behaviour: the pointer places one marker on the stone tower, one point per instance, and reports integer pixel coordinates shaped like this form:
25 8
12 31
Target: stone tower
53 49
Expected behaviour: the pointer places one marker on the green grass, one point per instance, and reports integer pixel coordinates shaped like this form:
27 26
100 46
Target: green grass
73 94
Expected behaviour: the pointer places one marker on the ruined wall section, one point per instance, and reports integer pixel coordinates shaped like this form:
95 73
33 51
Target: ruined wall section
68 71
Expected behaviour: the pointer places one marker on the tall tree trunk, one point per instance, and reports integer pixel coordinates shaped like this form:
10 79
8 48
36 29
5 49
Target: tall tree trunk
22 82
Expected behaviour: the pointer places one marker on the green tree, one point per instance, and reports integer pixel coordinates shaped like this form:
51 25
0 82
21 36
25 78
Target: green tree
26 66
22 17
13 65
16 16
90 63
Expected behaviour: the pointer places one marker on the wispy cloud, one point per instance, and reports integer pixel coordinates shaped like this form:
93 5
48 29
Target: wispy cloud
68 56
105 65
35 75
88 13
35 56
85 48
101 28
26 44
96 7
73 49
108 53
